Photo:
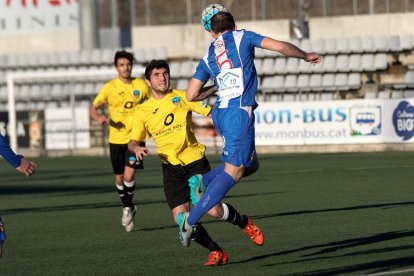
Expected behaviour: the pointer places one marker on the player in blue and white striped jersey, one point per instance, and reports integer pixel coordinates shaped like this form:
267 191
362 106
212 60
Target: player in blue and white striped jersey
229 61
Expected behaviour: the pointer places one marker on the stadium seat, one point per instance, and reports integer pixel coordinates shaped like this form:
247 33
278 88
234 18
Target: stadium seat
267 84
355 45
35 92
341 81
278 83
182 84
306 45
149 54
354 64
342 63
327 97
409 94
175 69
384 95
329 63
330 46
292 65
303 82
368 44
381 44
380 62
305 67
398 94
318 46
315 82
394 43
342 45
369 95
407 42
186 69
161 53
354 81
258 62
367 63
290 83
288 97
268 66
139 55
107 56
302 97
259 52
328 82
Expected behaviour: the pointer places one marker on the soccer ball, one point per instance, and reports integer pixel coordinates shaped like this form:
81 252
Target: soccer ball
209 12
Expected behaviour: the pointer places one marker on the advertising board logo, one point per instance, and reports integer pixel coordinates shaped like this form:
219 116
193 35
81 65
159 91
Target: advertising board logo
403 120
365 120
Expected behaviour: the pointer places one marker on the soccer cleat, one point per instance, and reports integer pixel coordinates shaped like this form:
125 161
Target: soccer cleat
217 258
197 188
254 232
185 229
128 218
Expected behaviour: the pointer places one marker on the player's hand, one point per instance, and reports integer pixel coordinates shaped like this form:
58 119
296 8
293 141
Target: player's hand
27 167
313 58
140 152
102 120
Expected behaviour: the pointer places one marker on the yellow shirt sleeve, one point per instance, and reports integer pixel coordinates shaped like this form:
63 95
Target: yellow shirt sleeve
102 97
138 131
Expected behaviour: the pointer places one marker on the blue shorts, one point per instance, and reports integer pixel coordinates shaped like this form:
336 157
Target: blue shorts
236 127
2 231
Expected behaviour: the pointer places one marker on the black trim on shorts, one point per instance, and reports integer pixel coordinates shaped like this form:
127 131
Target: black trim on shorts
121 157
175 179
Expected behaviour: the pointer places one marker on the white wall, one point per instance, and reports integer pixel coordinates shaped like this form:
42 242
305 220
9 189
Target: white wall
62 41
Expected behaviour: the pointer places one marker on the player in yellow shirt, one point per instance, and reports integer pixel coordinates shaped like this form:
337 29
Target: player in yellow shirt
122 95
167 117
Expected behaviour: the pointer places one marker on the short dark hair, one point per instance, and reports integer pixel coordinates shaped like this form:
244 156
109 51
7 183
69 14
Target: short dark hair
155 64
222 21
123 54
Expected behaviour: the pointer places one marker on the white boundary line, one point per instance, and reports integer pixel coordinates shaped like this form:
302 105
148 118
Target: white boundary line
392 272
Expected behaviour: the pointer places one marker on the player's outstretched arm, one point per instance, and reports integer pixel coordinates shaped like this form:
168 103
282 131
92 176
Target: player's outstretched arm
27 167
195 91
139 151
289 50
94 113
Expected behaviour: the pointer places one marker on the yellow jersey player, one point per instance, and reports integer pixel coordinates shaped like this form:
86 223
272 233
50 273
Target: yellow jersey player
121 96
167 117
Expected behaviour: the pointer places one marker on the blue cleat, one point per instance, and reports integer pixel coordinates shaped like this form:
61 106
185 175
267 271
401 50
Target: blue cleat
185 229
197 188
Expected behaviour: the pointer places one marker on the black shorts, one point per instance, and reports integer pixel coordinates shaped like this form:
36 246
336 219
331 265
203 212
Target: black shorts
121 157
175 178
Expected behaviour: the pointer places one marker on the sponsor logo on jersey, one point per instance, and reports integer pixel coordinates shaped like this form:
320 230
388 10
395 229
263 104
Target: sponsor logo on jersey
176 101
155 111
136 93
403 120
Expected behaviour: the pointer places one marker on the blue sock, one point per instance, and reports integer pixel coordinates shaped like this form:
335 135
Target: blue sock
208 177
213 195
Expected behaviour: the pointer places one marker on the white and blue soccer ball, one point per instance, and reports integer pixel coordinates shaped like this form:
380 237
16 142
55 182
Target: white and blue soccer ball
209 12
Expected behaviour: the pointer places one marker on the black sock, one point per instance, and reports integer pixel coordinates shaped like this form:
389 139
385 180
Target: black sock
121 194
201 237
235 218
129 188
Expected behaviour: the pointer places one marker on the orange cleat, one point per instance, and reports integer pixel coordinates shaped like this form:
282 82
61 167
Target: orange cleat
254 232
217 258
